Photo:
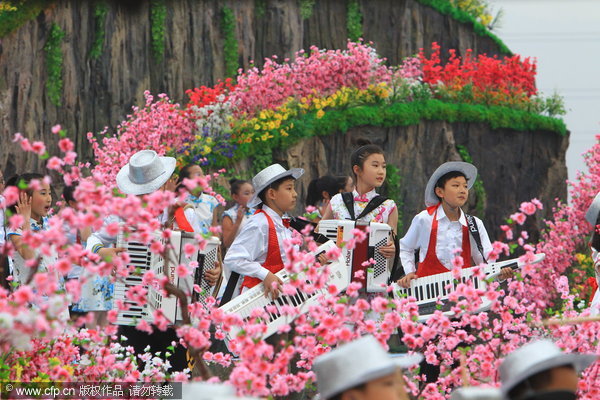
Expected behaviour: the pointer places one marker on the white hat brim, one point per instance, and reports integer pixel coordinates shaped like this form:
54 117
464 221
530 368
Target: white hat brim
591 215
128 187
579 361
255 200
469 170
396 361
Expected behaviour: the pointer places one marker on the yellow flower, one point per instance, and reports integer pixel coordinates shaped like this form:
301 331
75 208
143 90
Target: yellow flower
320 114
209 140
206 150
256 127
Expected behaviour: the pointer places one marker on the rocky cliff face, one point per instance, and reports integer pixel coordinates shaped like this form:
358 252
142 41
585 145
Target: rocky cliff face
100 92
513 166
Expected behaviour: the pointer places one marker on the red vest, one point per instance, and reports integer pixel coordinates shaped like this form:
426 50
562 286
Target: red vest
273 262
182 221
432 265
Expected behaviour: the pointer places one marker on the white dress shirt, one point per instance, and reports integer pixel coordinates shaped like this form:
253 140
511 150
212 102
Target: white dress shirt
249 249
2 222
449 238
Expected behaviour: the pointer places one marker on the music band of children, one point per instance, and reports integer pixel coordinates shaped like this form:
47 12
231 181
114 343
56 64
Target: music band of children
253 231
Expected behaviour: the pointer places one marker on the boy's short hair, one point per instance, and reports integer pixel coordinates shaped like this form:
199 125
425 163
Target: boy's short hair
274 185
536 383
339 395
441 183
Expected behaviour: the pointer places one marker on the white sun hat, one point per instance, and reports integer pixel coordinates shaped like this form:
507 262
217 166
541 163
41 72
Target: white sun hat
355 363
476 393
592 213
264 178
145 173
209 391
469 170
535 357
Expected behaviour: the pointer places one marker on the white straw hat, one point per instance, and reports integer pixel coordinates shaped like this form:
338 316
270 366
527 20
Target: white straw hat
535 357
469 170
592 213
355 363
145 173
264 178
476 393
209 391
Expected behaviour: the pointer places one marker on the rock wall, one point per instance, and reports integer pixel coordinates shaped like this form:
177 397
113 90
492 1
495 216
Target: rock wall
513 166
100 92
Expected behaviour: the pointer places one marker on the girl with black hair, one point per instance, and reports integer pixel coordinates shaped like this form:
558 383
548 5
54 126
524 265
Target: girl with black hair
369 169
204 205
321 190
235 217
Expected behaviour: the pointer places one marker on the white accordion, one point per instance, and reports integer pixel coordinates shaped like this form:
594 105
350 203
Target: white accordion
143 260
433 288
254 298
376 276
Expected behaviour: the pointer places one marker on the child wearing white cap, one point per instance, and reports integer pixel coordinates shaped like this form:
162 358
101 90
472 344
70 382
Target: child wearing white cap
258 251
541 371
362 370
443 227
593 217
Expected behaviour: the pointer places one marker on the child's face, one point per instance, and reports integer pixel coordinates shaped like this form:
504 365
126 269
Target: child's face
244 194
563 378
41 201
373 170
195 172
389 387
284 197
455 192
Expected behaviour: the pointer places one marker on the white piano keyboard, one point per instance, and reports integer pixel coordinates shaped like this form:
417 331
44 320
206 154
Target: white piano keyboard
254 298
428 290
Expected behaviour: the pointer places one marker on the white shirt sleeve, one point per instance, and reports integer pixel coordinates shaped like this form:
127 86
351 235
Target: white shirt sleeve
2 229
485 243
249 249
409 243
101 238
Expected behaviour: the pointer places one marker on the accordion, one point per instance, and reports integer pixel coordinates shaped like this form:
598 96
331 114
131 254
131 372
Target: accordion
141 260
430 290
375 277
254 298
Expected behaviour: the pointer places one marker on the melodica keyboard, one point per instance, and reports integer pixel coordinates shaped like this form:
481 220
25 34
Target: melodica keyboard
254 298
429 289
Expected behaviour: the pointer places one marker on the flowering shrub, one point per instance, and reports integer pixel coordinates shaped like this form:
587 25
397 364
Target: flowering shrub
159 125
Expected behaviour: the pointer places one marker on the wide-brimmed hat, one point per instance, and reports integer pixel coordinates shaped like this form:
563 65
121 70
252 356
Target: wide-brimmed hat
591 215
145 173
209 391
355 363
469 170
476 393
535 357
264 178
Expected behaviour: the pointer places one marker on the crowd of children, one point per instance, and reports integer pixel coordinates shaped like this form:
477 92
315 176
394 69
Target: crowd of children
254 231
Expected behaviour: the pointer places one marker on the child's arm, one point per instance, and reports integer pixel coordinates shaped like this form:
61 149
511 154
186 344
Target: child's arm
23 207
230 229
99 242
408 244
328 214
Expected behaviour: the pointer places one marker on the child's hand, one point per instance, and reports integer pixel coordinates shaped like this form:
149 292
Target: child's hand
241 212
171 184
322 259
272 286
388 251
212 275
23 207
108 253
405 281
505 273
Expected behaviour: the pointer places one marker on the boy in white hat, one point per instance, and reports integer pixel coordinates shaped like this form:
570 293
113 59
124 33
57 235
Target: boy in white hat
593 217
145 173
443 227
258 252
541 371
362 370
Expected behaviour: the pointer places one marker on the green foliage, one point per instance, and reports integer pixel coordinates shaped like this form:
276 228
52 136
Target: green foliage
100 12
261 8
478 185
18 13
404 114
391 189
306 8
262 158
354 21
158 16
446 8
54 64
230 44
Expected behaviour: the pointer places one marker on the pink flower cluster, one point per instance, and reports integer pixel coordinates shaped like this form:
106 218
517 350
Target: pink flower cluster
320 72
